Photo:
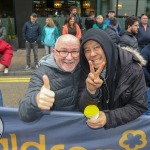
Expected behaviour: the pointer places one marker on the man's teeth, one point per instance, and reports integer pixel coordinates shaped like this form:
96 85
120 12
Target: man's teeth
68 62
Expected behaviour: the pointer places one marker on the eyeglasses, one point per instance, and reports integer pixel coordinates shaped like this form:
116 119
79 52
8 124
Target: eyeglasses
66 53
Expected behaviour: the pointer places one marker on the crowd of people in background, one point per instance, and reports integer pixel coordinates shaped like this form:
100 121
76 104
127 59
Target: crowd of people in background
121 50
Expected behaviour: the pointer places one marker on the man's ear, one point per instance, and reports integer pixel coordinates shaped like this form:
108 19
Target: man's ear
129 26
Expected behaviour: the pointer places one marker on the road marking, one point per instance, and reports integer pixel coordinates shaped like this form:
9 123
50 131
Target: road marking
14 79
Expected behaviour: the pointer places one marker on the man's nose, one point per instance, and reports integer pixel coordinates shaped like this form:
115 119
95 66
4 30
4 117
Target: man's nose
69 56
92 52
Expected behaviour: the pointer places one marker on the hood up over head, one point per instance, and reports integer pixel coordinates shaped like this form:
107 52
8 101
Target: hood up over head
111 53
115 57
110 50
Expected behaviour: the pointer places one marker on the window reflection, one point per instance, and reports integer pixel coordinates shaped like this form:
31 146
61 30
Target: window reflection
45 8
6 8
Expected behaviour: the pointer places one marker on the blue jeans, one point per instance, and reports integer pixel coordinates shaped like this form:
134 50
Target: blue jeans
1 99
148 94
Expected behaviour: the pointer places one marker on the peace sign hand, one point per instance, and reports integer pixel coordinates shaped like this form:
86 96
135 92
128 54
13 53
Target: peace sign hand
93 81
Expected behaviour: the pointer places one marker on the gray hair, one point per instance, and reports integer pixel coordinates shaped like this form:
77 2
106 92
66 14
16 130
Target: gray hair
99 16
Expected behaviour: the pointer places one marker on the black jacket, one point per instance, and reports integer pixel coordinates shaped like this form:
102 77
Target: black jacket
146 54
123 94
31 32
111 31
64 84
143 36
89 23
127 39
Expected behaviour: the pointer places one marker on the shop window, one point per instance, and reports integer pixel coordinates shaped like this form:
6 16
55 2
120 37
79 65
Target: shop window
45 8
88 6
126 8
147 7
40 7
6 8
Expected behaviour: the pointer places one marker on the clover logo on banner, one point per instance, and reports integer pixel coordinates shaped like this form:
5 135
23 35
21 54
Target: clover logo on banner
133 140
1 127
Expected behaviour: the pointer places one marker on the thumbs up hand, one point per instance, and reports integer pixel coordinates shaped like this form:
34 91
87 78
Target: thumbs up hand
45 98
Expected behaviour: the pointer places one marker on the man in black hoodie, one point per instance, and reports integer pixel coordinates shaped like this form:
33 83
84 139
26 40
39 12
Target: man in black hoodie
112 79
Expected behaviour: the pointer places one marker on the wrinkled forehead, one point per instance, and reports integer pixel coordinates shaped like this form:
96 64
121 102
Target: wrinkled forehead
144 17
90 43
68 44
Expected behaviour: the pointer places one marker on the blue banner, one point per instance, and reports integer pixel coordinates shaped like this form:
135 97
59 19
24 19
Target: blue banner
68 131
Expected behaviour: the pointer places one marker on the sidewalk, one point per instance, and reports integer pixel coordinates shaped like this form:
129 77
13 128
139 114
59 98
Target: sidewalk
18 63
13 92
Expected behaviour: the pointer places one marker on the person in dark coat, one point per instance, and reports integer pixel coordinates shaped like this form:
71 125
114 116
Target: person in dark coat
111 30
143 35
54 85
111 14
127 36
89 21
112 79
146 68
32 35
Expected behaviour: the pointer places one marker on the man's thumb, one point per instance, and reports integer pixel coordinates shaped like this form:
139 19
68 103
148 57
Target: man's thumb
46 82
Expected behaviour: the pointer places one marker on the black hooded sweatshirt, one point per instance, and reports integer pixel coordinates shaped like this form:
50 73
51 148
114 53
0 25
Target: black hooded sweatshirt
123 94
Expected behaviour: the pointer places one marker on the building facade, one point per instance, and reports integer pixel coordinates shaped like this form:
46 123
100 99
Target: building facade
20 10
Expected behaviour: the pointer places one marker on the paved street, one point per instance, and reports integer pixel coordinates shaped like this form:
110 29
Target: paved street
12 92
14 84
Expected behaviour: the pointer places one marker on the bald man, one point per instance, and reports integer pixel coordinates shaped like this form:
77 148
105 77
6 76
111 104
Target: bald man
54 85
